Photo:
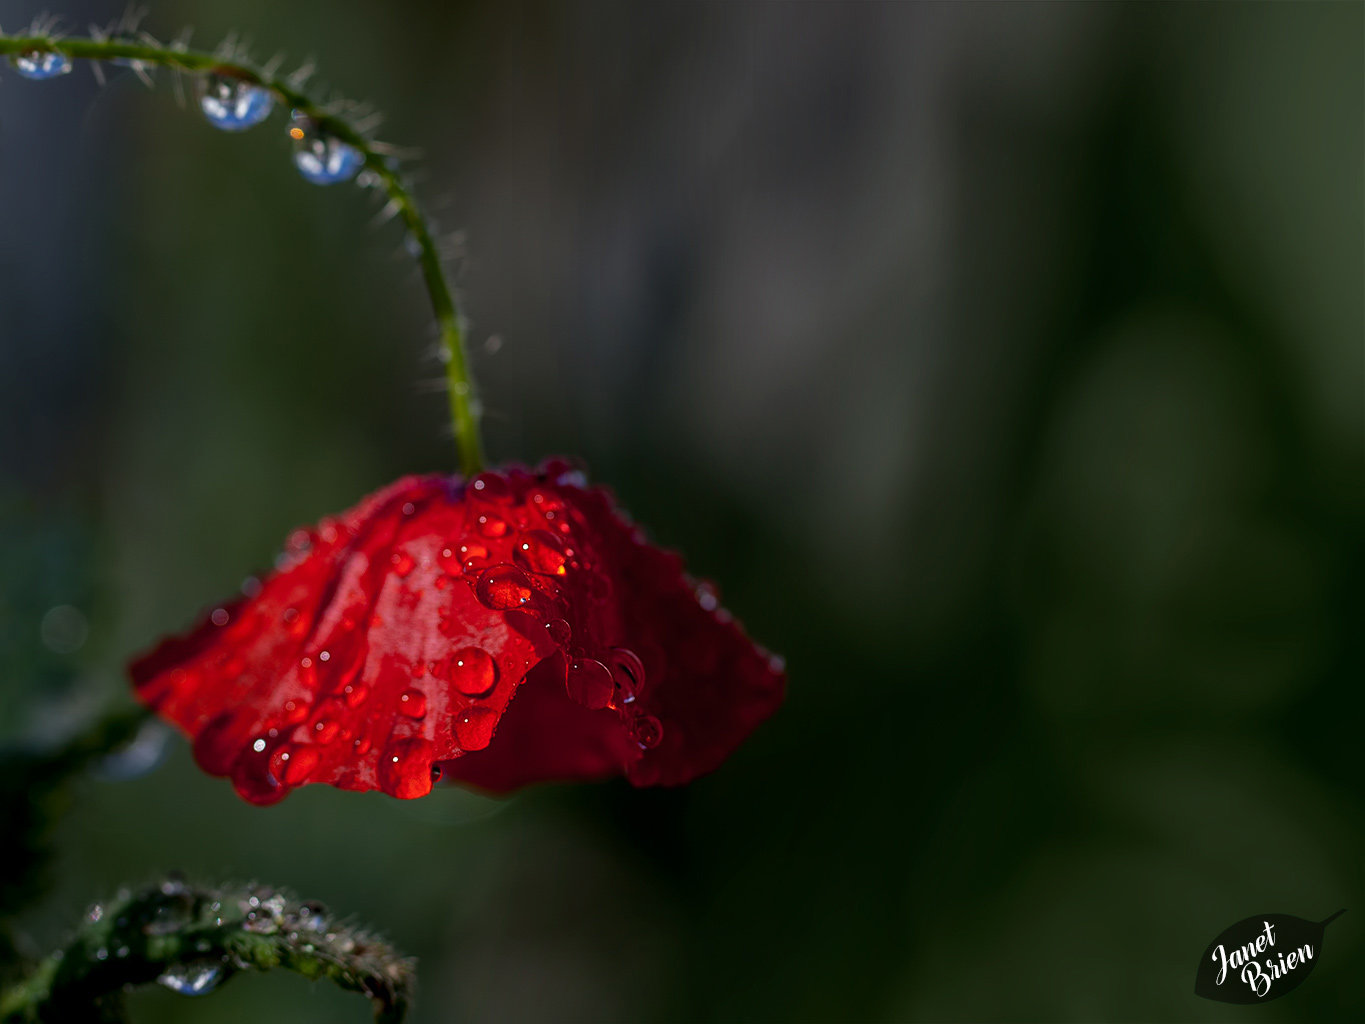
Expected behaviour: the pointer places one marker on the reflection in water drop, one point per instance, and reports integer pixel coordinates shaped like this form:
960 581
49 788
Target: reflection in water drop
194 979
232 104
41 64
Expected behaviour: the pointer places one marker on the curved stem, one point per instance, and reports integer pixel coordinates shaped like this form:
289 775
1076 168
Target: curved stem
191 939
463 414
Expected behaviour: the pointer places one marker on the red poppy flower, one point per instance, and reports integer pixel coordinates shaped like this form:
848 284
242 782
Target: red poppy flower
513 629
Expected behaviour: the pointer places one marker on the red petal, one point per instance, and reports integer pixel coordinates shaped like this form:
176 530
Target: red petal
393 638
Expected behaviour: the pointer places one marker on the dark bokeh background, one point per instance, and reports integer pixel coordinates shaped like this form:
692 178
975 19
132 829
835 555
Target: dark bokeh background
1004 364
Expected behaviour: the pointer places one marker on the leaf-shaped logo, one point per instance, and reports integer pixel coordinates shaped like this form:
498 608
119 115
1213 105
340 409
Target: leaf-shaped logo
1260 958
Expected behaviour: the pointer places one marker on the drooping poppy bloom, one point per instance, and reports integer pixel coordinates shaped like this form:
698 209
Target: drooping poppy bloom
508 630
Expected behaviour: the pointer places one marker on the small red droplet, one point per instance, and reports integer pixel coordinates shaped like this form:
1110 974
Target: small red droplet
491 525
413 703
402 562
540 551
474 727
503 588
646 731
405 769
473 672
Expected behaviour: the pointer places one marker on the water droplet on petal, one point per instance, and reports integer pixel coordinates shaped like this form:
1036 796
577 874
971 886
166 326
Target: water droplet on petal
413 703
474 727
503 588
646 731
402 562
219 617
41 64
540 551
323 159
589 683
473 672
405 768
560 631
234 104
295 763
195 979
325 730
491 525
354 694
628 673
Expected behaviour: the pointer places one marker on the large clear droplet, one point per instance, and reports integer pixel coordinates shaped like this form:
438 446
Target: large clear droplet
233 104
41 64
321 158
194 979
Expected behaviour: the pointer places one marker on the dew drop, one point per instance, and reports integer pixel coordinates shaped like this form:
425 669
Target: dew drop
294 712
628 673
219 617
646 731
295 763
413 703
354 694
491 525
540 551
402 562
405 768
503 588
323 159
194 979
473 672
234 104
325 730
707 597
408 508
560 631
589 683
40 65
312 917
361 745
474 727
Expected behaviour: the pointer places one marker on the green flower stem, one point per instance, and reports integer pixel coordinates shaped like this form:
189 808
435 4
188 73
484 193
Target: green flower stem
192 940
464 417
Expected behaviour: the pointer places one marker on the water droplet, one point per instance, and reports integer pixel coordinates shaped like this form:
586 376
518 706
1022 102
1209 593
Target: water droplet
233 104
646 731
490 525
589 683
707 597
323 159
402 562
101 954
259 744
324 656
491 487
219 617
628 673
295 763
473 672
560 631
312 917
540 551
290 616
503 588
354 694
405 768
325 730
261 922
252 778
194 979
474 727
408 508
413 703
41 64
361 745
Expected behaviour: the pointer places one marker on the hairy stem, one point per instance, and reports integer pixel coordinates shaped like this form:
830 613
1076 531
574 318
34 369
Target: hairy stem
192 939
463 408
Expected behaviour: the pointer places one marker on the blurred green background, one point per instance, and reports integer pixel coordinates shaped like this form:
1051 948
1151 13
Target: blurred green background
1003 364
